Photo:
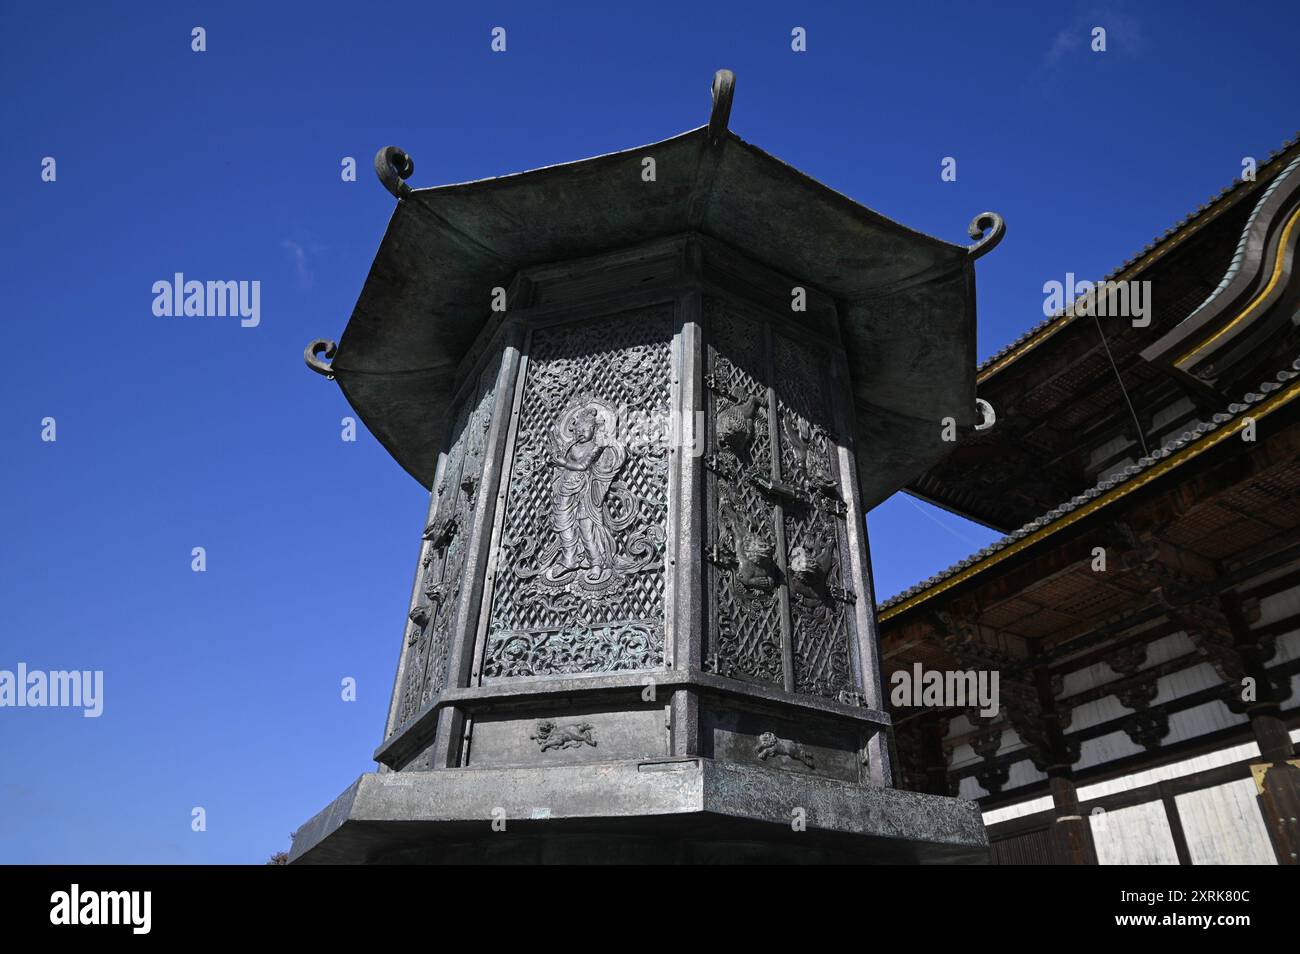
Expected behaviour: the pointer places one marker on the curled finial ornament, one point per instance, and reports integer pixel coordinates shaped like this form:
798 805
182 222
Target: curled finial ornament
989 222
311 354
392 165
988 417
724 87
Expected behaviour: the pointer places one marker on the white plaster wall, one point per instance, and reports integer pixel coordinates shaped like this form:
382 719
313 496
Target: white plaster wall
1223 826
1137 835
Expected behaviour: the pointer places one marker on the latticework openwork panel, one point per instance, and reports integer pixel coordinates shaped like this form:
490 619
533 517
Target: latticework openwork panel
745 638
443 557
815 534
579 584
778 546
777 543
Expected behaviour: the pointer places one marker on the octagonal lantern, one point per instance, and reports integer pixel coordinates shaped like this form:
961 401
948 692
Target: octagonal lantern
651 411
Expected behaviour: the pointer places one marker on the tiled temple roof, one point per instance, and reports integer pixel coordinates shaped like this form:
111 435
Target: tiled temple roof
1188 438
1157 245
1239 255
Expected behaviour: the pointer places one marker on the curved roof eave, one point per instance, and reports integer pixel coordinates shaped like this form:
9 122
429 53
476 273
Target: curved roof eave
908 296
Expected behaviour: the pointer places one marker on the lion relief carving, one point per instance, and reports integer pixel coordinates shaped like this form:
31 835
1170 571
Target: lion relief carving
770 746
551 735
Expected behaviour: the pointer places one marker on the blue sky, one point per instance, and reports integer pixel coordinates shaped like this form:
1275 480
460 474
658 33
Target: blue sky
222 688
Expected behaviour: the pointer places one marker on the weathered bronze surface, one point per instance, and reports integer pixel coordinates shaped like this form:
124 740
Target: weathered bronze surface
905 301
645 551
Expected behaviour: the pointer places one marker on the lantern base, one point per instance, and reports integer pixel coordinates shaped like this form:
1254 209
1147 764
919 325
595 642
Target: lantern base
665 811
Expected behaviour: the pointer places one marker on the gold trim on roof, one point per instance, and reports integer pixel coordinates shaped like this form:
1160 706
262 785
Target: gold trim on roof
1186 453
1182 363
1217 207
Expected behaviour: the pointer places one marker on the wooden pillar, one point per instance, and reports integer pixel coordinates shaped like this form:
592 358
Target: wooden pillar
1277 782
1277 774
919 761
1271 733
936 760
1071 834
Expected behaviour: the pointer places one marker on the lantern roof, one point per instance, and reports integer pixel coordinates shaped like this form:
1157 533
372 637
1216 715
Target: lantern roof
905 300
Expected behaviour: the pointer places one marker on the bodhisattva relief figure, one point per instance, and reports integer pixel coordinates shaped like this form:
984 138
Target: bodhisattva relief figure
586 458
584 469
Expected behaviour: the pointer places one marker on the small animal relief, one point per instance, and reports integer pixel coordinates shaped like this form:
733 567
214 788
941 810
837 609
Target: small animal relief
549 735
769 746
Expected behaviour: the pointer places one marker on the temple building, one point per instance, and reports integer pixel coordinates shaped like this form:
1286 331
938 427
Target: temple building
1143 607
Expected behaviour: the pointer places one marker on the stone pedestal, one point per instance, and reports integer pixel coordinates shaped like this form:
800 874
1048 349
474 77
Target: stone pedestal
644 812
